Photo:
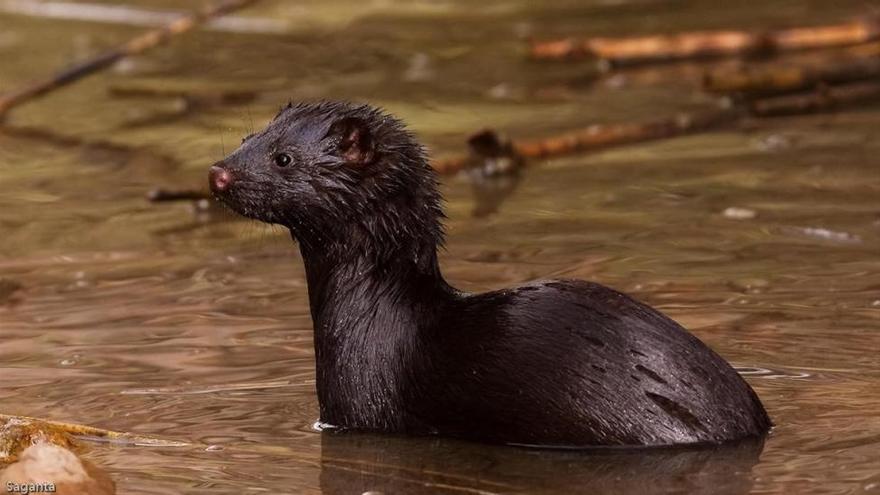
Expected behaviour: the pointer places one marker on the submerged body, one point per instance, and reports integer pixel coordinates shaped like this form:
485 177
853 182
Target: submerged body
558 363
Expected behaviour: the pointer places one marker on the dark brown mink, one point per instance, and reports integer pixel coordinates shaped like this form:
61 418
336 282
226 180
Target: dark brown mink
550 363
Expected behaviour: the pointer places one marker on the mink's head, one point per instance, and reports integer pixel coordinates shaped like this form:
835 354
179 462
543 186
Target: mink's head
338 175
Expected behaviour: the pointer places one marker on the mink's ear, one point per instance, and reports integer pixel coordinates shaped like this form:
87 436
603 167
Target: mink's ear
354 141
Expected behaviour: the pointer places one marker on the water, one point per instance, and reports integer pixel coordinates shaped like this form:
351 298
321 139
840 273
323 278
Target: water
163 321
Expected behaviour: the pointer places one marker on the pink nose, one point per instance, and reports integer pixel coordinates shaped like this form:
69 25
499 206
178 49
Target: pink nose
219 178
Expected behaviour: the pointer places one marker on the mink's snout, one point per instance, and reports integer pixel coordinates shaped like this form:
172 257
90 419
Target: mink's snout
220 178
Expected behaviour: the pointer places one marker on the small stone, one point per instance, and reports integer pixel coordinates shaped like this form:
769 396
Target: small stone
499 91
125 66
775 142
830 235
617 81
737 213
53 468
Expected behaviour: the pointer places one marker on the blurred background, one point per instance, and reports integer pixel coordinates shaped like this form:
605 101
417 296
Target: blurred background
179 321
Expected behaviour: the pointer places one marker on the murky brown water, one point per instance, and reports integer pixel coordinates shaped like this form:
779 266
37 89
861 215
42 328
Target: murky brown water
151 319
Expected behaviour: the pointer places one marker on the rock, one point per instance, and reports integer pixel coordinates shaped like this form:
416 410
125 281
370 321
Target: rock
49 468
737 213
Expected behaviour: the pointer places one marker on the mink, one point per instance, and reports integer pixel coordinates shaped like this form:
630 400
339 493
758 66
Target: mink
565 363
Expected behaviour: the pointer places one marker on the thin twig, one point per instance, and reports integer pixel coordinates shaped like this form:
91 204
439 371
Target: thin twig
134 46
775 80
823 99
600 136
70 141
129 15
699 44
160 195
200 96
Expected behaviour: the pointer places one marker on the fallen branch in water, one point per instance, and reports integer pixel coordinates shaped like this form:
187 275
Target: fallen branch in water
601 136
185 100
134 46
702 44
774 80
161 195
823 98
126 154
590 138
210 96
492 155
128 15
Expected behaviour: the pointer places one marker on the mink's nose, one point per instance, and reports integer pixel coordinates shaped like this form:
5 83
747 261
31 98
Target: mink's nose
219 178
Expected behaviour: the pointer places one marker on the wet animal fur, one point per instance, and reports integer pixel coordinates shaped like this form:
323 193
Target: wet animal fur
561 362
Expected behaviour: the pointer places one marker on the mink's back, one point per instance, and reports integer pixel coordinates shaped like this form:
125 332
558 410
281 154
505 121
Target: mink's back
573 363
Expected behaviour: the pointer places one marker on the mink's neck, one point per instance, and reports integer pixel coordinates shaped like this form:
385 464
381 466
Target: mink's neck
349 278
371 314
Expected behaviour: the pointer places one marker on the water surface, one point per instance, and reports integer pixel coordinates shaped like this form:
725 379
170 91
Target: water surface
163 321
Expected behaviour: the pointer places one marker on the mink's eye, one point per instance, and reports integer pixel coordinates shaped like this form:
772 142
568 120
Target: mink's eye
282 159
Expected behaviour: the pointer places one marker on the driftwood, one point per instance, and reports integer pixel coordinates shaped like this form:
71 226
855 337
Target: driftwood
702 44
594 137
140 154
214 96
134 46
774 80
187 100
494 156
161 195
822 99
130 15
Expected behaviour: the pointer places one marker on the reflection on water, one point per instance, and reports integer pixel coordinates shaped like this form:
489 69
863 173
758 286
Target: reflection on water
194 326
361 463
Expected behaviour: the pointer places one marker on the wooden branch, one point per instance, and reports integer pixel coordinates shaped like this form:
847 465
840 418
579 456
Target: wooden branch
702 44
488 147
603 136
210 96
824 98
129 153
160 195
597 137
134 46
774 80
130 15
